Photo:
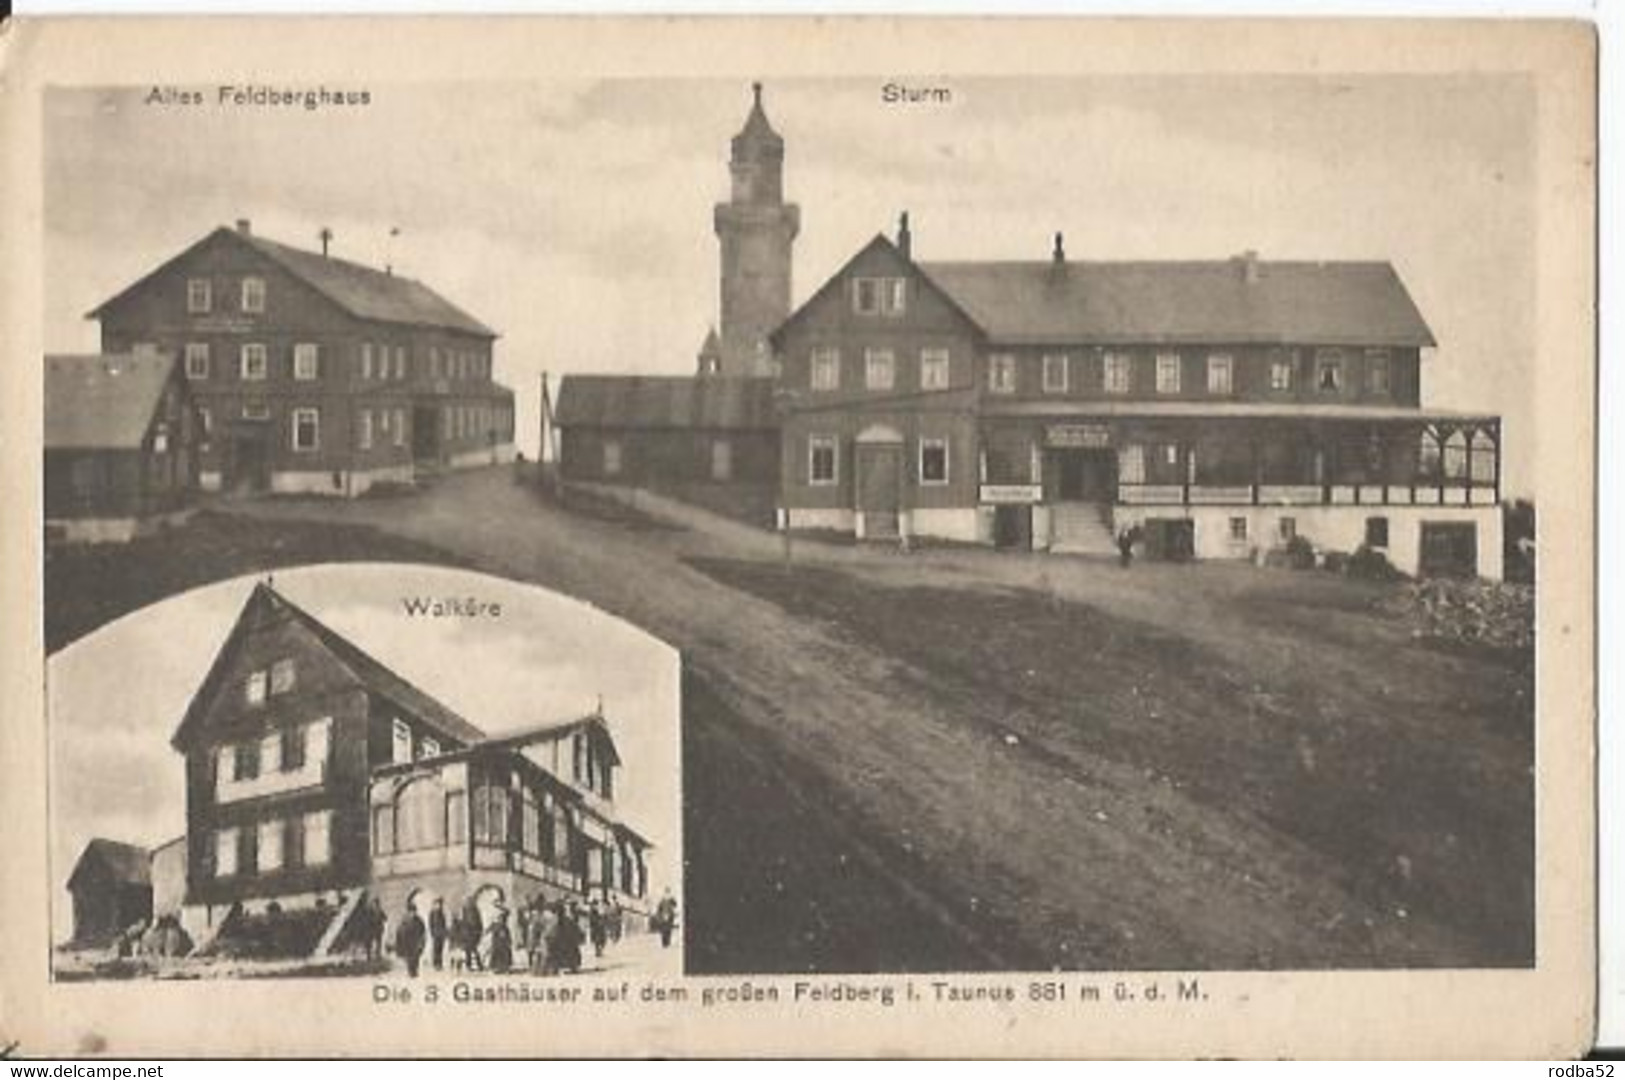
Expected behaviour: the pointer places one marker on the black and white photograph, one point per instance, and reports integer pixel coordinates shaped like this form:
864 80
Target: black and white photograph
269 796
945 527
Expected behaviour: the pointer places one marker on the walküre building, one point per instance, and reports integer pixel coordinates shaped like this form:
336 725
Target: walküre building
313 373
1224 407
317 778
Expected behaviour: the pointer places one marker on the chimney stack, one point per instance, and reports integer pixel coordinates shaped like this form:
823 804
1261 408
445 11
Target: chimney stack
1059 254
905 239
326 235
1249 266
245 227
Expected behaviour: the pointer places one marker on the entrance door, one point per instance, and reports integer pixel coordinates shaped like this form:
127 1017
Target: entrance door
425 433
1449 549
1084 475
880 485
248 468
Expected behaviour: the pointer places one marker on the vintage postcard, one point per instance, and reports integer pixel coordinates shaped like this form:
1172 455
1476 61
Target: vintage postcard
782 537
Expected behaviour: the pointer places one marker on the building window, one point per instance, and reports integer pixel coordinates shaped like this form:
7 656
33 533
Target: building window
317 830
293 747
879 296
420 817
1455 456
306 429
1221 368
281 676
1280 370
1288 529
879 369
1238 528
254 687
256 410
821 459
197 360
1055 373
434 361
1001 373
254 295
1329 371
400 741
364 430
400 361
1131 464
1168 373
366 360
1116 372
270 844
1376 532
198 298
431 748
245 761
1378 371
933 461
383 830
205 418
253 363
933 369
826 369
305 366
398 427
612 457
225 853
270 754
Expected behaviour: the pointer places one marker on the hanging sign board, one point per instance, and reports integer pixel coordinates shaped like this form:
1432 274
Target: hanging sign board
1078 436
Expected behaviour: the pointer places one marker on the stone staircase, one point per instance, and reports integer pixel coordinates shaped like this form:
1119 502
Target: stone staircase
341 920
1081 528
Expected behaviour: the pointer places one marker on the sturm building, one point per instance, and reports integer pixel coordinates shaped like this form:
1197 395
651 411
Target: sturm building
312 373
1223 408
317 779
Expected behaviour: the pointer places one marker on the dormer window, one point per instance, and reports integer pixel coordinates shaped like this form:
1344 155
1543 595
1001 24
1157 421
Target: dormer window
198 296
253 295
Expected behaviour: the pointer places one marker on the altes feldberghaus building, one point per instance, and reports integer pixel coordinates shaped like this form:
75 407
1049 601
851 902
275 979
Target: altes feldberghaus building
1217 408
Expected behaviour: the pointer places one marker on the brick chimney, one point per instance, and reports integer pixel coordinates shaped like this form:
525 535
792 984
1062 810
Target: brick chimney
1249 266
905 239
245 226
1058 256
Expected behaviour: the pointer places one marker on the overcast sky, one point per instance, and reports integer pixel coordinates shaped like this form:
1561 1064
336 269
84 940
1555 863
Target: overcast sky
575 217
116 697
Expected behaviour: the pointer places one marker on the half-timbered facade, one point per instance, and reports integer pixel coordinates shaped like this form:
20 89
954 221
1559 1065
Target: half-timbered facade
313 373
316 773
1223 407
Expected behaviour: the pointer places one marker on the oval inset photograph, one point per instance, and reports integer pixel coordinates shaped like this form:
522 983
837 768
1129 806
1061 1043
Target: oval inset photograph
365 770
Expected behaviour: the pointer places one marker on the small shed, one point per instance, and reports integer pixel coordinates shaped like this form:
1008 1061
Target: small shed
111 886
121 441
668 430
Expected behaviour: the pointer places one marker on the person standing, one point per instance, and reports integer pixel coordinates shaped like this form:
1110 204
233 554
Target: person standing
501 943
409 939
376 920
473 932
665 919
437 932
597 927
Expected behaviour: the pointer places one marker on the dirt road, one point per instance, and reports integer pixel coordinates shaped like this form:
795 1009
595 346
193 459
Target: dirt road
959 759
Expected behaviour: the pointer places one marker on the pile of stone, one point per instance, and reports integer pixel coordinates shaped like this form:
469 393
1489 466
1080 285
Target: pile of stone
1491 612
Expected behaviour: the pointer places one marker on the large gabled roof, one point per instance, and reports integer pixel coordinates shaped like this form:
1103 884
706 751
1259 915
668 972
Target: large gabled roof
712 402
125 863
363 291
553 730
103 401
372 673
1217 302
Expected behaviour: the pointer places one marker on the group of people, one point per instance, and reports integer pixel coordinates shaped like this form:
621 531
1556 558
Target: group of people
551 934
